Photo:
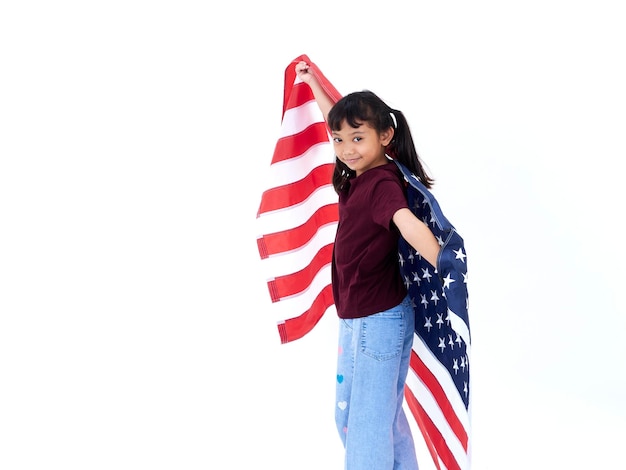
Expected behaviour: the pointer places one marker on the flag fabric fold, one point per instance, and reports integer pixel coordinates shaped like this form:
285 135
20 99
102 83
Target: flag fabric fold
438 385
297 221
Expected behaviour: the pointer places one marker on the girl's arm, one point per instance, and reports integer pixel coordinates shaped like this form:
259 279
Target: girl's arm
323 100
418 235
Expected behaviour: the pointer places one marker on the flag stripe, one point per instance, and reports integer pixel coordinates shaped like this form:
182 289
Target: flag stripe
295 328
447 440
297 95
291 239
419 413
285 219
296 168
442 376
294 283
296 144
297 120
459 325
302 302
434 436
293 261
295 193
440 396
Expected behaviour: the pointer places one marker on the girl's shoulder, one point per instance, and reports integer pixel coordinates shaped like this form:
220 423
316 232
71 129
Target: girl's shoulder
382 178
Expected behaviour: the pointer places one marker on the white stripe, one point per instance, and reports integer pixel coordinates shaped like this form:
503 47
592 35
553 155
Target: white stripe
297 167
296 305
294 216
460 327
298 119
295 260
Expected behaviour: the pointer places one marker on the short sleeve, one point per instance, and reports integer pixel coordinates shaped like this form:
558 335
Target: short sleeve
388 196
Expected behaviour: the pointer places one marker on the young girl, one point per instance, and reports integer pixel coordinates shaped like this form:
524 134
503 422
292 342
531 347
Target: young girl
376 316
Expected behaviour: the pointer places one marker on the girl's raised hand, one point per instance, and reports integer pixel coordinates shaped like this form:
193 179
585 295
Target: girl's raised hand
302 70
321 96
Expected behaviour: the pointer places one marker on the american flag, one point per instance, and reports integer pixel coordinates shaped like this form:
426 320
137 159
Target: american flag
297 220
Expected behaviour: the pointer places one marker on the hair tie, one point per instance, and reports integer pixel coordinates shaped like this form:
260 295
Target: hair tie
393 118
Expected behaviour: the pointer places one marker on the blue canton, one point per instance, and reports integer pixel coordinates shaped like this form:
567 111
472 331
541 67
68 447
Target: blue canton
440 296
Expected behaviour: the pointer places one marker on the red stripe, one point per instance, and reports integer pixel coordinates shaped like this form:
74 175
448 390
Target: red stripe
260 243
300 94
431 434
295 328
294 283
297 144
287 240
295 193
417 411
431 382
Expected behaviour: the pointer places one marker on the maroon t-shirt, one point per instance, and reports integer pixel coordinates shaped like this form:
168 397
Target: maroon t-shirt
365 272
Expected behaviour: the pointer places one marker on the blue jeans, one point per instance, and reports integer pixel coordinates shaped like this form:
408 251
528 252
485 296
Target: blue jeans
373 363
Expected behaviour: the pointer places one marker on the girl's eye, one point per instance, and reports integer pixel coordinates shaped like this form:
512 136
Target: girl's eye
336 140
358 139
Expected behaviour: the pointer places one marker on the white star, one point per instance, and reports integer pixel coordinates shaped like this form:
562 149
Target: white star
465 278
458 339
442 344
440 319
416 278
432 219
463 363
411 257
448 315
459 254
447 281
428 325
450 342
401 259
440 240
455 366
434 296
465 388
423 301
407 282
426 274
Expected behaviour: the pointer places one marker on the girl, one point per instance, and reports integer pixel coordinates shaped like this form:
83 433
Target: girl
376 316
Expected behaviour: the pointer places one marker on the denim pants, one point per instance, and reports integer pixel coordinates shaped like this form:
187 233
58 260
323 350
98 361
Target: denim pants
372 366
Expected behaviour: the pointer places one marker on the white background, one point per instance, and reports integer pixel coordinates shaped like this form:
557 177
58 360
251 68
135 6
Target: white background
135 330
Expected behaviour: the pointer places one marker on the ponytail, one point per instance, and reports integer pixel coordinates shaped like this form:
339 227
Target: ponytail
402 148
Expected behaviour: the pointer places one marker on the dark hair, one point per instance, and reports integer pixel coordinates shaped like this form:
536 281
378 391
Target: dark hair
365 107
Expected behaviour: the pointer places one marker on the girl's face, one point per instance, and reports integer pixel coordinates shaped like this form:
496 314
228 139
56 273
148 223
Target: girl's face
361 148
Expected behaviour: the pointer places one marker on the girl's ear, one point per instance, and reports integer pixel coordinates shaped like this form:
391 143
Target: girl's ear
387 136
